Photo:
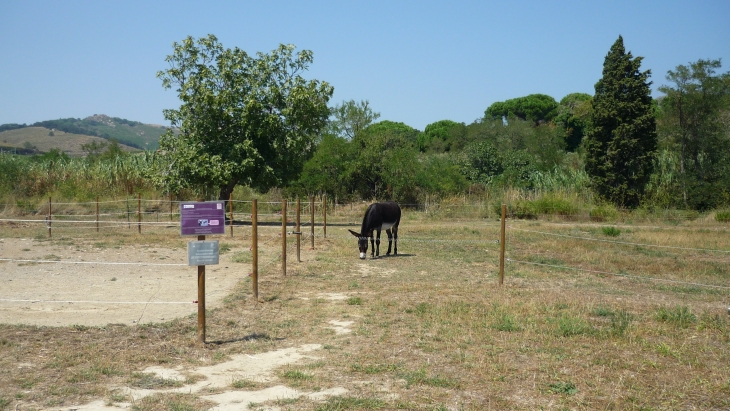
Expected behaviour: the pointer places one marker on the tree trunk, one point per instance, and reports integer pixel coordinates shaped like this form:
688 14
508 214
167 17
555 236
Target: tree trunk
226 190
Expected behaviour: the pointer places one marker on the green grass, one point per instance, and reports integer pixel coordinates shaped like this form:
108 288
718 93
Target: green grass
567 388
151 381
351 403
611 231
722 216
354 301
243 384
678 316
422 377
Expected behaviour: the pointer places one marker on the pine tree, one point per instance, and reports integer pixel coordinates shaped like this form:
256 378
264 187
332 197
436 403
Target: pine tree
621 145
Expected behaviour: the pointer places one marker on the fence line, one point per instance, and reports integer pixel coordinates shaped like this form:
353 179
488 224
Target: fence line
621 242
95 302
91 262
619 274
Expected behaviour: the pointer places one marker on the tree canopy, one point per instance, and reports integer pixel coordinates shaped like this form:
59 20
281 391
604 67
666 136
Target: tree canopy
537 108
693 117
442 136
622 142
350 117
243 119
574 115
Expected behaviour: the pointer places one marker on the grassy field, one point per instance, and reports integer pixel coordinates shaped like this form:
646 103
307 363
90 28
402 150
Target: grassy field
629 316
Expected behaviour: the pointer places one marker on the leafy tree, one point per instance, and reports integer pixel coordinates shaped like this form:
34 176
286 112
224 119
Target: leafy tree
693 122
349 118
622 142
328 169
537 108
11 126
483 163
439 175
379 149
94 149
442 136
574 113
243 120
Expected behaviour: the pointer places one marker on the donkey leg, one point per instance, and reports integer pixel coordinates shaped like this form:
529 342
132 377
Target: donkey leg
390 240
377 245
372 246
395 240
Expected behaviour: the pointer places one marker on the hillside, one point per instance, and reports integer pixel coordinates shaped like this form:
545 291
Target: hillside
126 132
26 138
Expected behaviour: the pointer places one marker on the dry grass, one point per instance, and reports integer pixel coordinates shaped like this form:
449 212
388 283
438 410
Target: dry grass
432 329
38 137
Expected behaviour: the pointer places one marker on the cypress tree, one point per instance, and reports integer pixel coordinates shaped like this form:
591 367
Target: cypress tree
621 145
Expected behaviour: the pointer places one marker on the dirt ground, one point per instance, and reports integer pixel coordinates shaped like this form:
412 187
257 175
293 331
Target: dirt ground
97 286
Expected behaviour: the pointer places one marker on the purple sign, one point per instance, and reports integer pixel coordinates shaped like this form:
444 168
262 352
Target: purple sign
202 218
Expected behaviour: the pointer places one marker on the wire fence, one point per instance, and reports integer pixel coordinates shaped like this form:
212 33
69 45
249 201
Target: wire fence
273 214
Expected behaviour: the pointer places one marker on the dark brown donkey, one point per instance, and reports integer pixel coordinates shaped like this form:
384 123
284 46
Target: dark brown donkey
379 216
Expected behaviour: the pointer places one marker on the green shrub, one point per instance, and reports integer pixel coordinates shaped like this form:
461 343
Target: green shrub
605 212
722 216
611 231
679 316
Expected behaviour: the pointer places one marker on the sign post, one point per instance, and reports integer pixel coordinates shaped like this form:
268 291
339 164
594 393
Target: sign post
201 219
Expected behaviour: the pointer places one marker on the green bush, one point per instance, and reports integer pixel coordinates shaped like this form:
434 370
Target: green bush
611 231
607 212
679 316
722 216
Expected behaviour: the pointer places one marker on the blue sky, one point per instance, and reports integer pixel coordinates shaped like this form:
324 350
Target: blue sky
417 62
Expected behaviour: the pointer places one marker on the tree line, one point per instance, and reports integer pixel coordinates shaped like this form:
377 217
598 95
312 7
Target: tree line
254 121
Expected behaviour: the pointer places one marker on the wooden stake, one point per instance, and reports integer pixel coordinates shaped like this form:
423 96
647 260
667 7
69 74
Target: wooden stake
201 299
139 213
298 232
97 214
230 208
50 217
501 246
255 249
324 213
311 206
283 238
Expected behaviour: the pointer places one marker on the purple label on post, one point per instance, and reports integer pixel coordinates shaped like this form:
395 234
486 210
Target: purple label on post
202 218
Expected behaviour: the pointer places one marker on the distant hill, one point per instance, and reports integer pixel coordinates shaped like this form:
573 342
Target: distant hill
31 140
126 132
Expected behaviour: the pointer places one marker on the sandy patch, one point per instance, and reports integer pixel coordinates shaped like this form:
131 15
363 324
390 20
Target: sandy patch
91 286
257 368
341 327
365 270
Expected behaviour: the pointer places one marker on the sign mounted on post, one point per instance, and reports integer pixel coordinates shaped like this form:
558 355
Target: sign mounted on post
202 218
203 252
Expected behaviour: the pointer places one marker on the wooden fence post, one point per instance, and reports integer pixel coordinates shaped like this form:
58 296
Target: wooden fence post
311 206
50 217
283 238
501 246
201 299
97 214
324 214
255 249
298 232
139 213
230 208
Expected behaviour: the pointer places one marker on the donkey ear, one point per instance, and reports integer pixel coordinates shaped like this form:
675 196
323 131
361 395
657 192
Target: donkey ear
355 234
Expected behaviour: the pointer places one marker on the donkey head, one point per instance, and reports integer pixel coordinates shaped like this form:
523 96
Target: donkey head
362 244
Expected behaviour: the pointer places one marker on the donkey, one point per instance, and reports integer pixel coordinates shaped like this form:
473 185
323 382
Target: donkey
379 216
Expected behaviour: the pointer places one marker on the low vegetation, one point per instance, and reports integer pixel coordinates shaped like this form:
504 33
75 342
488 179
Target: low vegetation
581 322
